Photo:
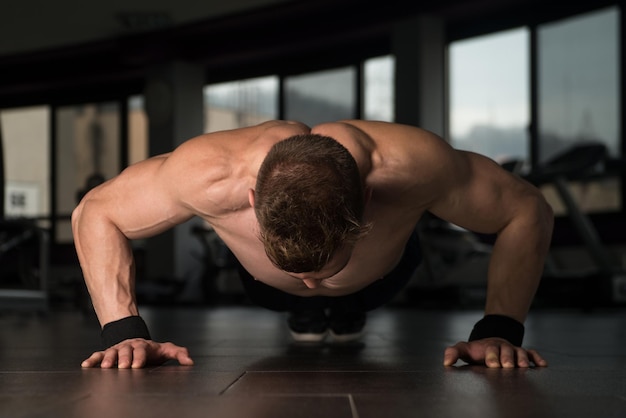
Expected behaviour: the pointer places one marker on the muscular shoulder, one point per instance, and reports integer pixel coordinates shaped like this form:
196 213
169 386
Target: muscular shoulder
338 129
376 130
237 141
397 147
407 162
233 142
214 171
391 141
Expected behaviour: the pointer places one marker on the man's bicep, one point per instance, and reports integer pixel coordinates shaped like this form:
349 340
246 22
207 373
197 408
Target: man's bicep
142 200
478 194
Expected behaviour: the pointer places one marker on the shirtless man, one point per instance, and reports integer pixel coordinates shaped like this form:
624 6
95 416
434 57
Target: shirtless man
374 181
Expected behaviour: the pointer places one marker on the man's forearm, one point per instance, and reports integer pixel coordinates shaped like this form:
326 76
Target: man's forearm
111 289
108 267
517 263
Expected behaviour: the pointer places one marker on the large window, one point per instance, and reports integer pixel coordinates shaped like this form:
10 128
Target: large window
579 82
26 144
87 152
578 95
24 180
378 87
324 96
240 103
489 94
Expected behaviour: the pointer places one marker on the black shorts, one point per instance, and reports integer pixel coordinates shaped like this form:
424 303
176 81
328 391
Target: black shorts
370 297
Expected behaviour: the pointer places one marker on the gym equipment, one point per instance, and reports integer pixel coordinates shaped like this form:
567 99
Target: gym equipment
220 280
23 266
605 282
454 267
455 263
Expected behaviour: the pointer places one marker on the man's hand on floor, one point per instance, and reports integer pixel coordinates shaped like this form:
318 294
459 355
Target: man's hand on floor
137 353
493 353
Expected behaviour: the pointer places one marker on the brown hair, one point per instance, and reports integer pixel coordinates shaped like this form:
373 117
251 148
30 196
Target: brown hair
309 202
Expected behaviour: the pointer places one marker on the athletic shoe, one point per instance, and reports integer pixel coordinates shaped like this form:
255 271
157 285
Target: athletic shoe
309 326
346 326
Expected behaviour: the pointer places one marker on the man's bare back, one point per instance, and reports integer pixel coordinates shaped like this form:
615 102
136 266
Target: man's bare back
405 170
373 256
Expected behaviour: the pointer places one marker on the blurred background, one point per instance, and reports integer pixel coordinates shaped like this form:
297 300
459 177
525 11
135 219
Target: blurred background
87 89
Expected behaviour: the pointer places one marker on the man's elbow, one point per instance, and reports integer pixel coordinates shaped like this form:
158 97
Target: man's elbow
76 215
82 209
544 215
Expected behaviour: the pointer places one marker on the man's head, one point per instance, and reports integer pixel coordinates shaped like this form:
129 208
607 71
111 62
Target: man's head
309 202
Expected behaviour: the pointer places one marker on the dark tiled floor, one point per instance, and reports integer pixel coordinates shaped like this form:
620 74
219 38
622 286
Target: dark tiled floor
246 367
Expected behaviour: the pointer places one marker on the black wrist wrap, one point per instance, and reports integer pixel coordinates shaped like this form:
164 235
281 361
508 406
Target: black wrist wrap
499 326
124 329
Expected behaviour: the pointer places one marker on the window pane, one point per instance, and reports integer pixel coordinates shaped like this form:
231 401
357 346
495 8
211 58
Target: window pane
26 142
579 82
489 94
319 97
240 103
88 151
137 130
379 88
579 100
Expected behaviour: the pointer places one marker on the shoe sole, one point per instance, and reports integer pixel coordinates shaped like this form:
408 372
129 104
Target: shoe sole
308 337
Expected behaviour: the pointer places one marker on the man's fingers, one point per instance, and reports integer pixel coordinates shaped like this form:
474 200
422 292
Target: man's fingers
174 352
93 360
522 357
109 359
124 357
536 358
451 355
507 356
138 353
183 358
493 353
492 356
140 356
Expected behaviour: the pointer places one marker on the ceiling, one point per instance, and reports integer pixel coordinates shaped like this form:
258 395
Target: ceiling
29 26
52 51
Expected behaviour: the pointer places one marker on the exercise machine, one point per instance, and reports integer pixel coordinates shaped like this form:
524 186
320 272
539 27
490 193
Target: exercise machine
455 261
220 278
604 282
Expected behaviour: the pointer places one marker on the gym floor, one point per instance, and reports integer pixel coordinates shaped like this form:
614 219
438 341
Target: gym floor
247 367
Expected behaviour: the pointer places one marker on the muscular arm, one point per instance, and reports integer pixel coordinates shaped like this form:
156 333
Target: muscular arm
208 176
199 178
139 203
474 192
484 198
